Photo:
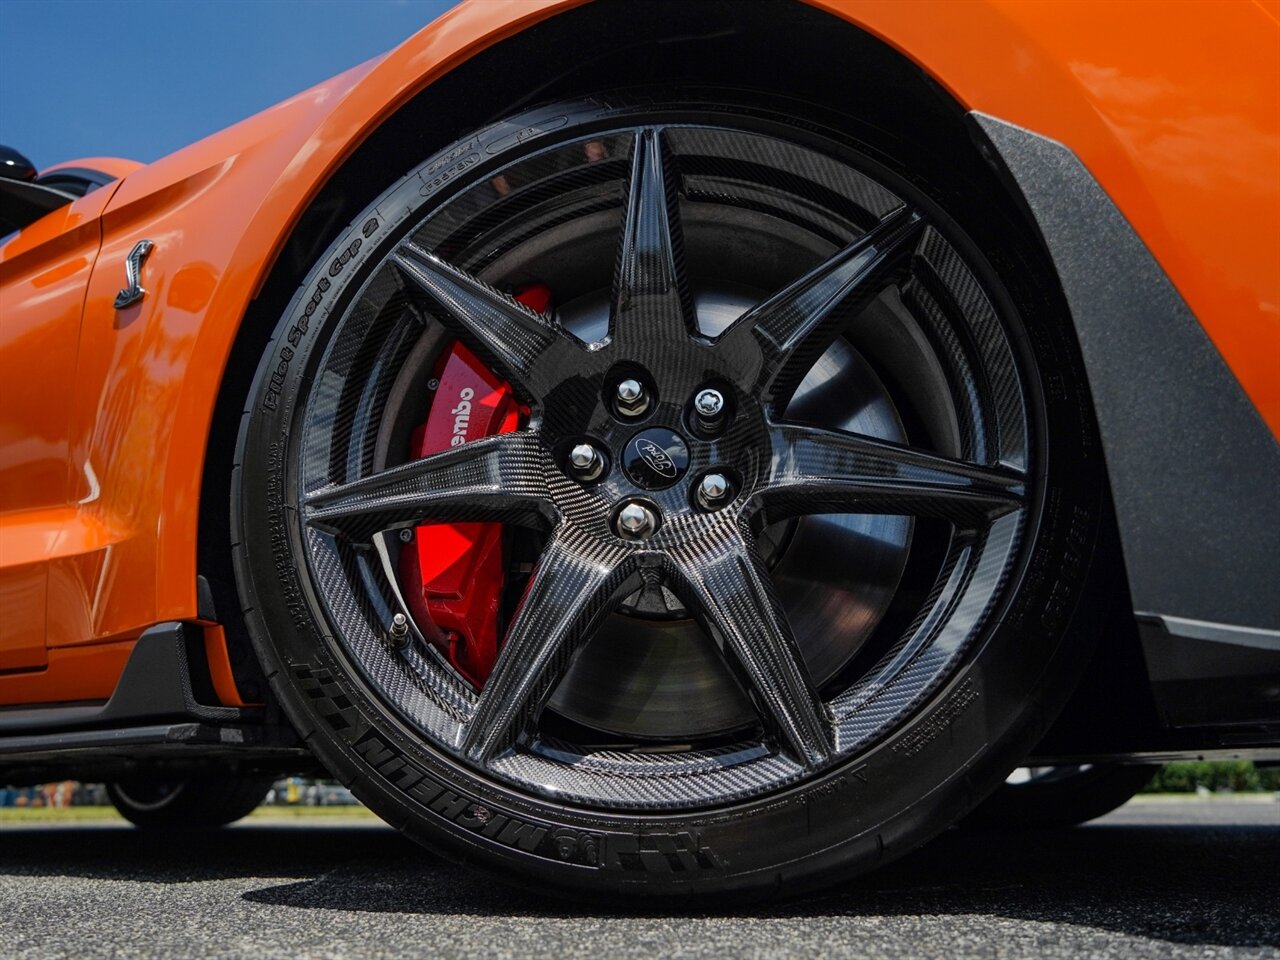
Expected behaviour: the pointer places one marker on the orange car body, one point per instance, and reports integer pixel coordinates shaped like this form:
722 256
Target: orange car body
106 414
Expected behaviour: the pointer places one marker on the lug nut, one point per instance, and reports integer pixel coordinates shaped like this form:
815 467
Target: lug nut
632 398
714 491
586 462
709 402
709 410
399 627
629 391
636 521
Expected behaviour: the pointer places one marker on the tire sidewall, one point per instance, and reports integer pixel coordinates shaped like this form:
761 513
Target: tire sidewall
921 777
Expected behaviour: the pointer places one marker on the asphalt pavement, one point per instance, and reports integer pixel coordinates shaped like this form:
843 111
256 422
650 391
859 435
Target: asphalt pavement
1154 879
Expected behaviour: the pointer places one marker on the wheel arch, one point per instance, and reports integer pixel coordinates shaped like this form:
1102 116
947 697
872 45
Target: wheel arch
732 37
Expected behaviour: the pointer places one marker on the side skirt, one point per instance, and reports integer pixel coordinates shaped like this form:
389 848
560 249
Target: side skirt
159 713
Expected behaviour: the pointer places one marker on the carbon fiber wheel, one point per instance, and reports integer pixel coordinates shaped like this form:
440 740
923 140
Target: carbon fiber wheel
778 476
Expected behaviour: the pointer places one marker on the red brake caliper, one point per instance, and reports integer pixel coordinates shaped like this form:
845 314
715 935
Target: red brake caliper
453 573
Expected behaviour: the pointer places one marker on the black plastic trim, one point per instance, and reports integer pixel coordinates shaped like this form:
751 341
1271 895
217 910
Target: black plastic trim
23 203
75 180
42 744
1261 754
1193 467
156 685
1218 632
106 754
1212 674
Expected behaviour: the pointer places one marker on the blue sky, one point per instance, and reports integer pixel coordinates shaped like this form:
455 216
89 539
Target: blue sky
141 78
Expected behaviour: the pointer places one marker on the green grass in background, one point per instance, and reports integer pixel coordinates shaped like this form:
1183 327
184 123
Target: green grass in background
92 814
1240 776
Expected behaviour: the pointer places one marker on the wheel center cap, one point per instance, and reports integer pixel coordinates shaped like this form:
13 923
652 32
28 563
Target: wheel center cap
655 458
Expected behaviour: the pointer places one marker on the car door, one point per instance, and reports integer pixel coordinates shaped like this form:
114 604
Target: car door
44 270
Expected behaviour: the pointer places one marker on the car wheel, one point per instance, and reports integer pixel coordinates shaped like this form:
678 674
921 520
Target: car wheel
659 496
1046 797
187 802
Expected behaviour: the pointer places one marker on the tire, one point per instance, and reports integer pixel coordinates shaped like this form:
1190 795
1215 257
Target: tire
797 806
1061 797
193 803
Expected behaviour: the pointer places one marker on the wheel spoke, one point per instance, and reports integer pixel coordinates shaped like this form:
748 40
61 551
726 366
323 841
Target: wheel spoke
726 584
499 478
825 471
651 302
503 330
575 583
797 324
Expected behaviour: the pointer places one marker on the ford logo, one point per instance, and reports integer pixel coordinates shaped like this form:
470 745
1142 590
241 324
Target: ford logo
656 458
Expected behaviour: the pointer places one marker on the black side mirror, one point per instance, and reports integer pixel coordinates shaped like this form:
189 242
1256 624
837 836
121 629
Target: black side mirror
22 200
14 166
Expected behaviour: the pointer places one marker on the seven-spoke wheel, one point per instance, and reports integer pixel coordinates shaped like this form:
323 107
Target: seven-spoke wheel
769 472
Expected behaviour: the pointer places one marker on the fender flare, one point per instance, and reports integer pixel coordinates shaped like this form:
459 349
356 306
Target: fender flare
280 160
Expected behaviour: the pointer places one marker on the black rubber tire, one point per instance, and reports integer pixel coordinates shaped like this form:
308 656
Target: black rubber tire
1065 802
194 803
879 805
